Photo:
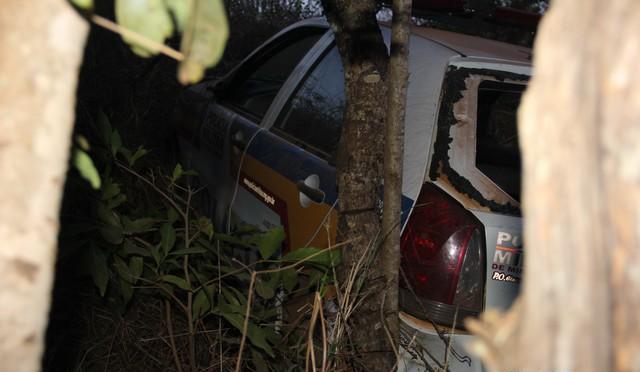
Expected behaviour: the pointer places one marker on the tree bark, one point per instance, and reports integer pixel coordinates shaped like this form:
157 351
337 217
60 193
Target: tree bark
398 78
580 136
41 45
359 169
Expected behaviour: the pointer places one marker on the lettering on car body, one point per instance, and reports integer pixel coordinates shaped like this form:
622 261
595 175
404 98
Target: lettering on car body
508 258
259 191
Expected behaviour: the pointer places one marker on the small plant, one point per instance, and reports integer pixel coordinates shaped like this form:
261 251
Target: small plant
147 236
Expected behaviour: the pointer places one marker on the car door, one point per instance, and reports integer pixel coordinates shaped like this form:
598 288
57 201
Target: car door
286 170
214 139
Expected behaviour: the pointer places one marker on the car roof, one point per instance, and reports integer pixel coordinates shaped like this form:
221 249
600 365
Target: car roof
465 45
475 46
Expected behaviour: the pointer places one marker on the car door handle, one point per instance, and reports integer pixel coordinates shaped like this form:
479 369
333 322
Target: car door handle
238 141
315 194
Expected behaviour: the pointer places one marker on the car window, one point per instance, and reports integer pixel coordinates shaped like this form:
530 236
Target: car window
255 88
313 116
497 148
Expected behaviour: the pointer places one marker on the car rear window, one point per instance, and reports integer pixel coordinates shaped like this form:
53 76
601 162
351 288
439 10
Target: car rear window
497 147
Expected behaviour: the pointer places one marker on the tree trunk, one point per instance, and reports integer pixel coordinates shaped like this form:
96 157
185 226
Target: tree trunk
41 45
580 136
398 78
359 169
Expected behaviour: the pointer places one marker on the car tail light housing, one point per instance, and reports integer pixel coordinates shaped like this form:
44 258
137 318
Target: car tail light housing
443 260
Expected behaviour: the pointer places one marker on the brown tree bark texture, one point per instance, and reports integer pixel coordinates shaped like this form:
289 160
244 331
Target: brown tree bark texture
41 44
397 79
360 166
580 137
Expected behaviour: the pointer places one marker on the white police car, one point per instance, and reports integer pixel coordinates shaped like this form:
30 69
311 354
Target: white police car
264 138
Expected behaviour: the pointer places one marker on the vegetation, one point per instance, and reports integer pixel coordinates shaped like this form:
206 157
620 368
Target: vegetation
145 238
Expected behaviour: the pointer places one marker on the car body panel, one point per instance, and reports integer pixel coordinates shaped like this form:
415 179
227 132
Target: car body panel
427 65
504 258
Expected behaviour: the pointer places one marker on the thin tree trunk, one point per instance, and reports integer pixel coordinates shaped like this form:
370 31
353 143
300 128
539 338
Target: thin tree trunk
398 78
359 167
41 45
580 136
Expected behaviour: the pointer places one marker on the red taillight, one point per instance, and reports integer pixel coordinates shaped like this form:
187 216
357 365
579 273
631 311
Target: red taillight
442 259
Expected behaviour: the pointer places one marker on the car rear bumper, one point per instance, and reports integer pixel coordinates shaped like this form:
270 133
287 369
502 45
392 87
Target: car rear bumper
424 345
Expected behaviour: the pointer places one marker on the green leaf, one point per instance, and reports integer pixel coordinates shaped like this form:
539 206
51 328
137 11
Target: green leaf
167 238
112 234
265 289
105 128
138 226
225 308
109 189
177 173
201 304
123 270
204 39
180 10
289 279
266 314
83 4
229 296
127 291
255 334
190 172
149 18
115 202
210 289
140 152
155 253
116 142
234 319
181 283
315 276
272 336
136 265
99 270
245 229
131 249
258 361
125 152
87 169
242 299
172 215
270 242
107 216
206 226
325 259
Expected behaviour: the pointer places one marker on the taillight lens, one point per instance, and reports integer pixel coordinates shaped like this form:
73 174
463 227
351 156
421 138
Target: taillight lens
443 260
